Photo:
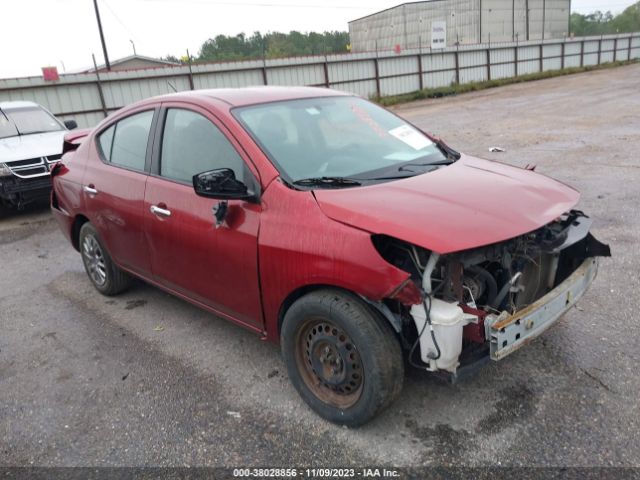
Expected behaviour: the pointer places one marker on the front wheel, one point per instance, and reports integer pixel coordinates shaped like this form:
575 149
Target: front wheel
343 359
102 271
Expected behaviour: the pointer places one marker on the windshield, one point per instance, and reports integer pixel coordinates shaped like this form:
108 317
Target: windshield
24 121
7 129
338 137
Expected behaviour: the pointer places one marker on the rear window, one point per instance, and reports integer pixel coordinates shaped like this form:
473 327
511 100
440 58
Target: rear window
124 144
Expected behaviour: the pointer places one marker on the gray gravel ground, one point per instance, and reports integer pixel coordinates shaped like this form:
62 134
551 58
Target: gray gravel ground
147 379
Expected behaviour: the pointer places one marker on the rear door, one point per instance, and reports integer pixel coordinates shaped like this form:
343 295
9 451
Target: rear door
217 267
113 186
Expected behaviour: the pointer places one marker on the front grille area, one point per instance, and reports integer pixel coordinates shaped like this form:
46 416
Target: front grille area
25 163
33 167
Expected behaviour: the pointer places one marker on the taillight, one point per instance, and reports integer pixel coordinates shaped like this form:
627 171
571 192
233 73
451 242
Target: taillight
408 293
57 167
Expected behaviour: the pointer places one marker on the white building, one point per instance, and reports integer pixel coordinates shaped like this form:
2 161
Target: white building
467 22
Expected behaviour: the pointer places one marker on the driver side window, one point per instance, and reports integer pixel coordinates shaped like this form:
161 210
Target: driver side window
191 144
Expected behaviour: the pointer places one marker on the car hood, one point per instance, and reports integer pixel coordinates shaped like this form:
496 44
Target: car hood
468 204
31 146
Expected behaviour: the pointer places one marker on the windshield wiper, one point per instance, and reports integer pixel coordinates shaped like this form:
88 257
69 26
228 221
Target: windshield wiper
403 168
447 150
327 181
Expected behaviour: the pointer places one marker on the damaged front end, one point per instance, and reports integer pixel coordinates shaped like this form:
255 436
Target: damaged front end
491 300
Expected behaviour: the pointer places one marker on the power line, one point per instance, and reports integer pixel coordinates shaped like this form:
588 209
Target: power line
265 4
118 19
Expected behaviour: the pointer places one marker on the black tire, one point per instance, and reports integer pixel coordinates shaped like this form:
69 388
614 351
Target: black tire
326 324
101 270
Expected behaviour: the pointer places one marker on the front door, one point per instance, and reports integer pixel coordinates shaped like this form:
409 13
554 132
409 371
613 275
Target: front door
215 266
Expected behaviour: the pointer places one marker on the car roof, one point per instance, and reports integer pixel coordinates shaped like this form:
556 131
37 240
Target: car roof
17 104
237 97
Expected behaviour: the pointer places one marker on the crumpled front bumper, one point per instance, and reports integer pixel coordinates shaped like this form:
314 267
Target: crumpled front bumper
507 334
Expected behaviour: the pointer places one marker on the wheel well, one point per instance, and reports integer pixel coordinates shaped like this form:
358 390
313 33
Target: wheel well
75 230
302 291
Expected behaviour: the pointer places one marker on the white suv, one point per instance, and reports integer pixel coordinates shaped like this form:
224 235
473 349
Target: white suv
30 143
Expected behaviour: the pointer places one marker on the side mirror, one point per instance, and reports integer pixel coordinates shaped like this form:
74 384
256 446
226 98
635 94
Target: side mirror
70 124
222 185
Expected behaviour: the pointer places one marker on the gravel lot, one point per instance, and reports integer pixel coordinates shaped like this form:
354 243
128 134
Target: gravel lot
147 379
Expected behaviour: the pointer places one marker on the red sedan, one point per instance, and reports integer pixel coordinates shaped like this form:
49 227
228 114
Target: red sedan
325 223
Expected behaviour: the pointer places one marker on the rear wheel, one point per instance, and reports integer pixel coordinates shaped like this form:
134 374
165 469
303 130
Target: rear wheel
102 271
344 360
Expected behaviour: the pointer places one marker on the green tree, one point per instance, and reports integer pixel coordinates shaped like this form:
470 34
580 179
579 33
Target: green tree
602 23
272 45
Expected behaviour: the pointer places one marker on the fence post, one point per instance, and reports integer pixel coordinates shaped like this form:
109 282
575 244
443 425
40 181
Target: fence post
599 50
515 55
99 84
264 63
541 52
489 63
377 71
582 54
615 49
190 71
326 71
562 47
421 81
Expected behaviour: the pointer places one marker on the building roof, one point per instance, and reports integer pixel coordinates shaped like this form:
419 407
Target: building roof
122 60
393 8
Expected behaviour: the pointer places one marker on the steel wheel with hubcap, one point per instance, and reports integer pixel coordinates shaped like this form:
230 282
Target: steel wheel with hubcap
341 356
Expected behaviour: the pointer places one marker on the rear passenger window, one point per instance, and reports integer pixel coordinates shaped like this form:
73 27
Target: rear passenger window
191 144
125 143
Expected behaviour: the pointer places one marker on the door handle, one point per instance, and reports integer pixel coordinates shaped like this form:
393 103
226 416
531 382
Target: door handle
160 211
90 190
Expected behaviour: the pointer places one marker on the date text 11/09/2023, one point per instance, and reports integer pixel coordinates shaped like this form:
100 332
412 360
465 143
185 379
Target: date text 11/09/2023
315 473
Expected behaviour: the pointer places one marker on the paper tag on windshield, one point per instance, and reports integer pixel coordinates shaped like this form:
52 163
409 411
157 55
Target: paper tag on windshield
411 137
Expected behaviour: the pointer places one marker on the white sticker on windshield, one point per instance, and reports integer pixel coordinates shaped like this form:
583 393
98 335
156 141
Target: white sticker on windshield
411 137
312 111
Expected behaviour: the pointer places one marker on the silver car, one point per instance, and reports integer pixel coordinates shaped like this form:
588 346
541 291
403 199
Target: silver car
30 143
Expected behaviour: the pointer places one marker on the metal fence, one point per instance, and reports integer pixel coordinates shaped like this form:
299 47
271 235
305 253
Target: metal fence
89 97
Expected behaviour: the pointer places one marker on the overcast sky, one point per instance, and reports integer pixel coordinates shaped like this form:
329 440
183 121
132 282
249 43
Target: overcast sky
37 33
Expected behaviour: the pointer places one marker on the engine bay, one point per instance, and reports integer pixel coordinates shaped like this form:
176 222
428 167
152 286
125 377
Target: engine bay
467 291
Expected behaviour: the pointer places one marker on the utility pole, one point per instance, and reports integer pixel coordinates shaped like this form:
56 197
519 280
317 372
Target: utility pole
526 8
134 47
104 46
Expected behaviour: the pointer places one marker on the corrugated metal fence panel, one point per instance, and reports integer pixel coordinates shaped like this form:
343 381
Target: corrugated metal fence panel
438 61
472 59
635 48
76 96
365 89
572 54
398 66
296 75
239 78
623 49
62 98
399 85
591 46
439 79
347 71
473 74
529 53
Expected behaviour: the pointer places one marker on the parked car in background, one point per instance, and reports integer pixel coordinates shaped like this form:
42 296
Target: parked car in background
30 143
321 221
